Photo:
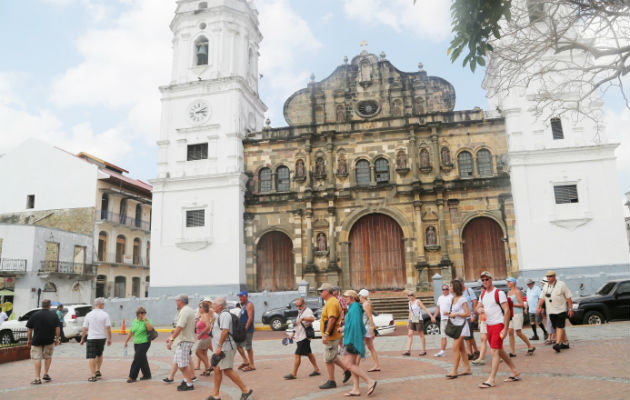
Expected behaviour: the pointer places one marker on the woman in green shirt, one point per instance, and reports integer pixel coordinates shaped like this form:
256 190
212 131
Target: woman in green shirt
141 344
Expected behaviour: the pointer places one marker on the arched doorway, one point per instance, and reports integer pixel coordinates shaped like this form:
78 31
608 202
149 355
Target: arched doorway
484 249
274 262
377 253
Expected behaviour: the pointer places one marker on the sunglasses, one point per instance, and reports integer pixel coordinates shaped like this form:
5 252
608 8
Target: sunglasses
484 280
444 288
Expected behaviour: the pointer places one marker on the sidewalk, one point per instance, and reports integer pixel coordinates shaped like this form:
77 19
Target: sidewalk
596 366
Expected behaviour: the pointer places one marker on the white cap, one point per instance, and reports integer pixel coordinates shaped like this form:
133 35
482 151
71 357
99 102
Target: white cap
364 293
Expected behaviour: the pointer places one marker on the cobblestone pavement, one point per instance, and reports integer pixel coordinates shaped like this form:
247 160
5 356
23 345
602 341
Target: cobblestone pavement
596 366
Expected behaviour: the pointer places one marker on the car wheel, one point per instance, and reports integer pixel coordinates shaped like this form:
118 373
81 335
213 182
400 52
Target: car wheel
431 328
6 337
594 318
276 323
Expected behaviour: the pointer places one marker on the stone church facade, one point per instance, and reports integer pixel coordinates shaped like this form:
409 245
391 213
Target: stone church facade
377 182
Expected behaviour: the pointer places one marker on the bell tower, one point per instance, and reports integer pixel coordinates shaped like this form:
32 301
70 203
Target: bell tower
208 107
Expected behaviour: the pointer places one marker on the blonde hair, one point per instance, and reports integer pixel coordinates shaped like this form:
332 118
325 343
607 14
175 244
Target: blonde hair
351 293
140 310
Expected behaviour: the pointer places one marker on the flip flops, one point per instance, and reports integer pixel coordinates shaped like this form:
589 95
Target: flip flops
371 388
451 376
465 373
424 353
36 382
350 394
47 378
406 353
512 379
248 368
243 365
485 385
374 370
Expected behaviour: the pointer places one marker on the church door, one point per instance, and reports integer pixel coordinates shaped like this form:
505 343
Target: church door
484 249
377 257
274 262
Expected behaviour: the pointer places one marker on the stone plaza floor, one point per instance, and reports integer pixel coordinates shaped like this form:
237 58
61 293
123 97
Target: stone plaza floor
596 367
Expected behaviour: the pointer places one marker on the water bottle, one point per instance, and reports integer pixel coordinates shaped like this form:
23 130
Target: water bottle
125 351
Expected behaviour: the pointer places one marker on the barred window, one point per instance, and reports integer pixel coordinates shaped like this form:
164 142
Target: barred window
282 179
556 129
195 218
197 151
565 194
381 169
484 162
363 173
465 163
265 180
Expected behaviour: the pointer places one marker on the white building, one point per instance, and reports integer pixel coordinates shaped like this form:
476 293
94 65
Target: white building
563 175
207 109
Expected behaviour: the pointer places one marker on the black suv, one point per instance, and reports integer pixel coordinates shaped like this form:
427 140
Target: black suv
612 301
278 317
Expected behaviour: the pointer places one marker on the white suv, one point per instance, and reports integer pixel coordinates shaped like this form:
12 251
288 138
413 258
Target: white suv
73 320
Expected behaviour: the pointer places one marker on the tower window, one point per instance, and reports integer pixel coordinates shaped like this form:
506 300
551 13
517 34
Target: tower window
265 180
565 194
556 129
195 218
465 164
201 51
30 201
282 179
363 173
381 170
197 152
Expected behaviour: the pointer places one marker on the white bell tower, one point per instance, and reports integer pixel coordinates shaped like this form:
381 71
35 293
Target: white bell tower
207 109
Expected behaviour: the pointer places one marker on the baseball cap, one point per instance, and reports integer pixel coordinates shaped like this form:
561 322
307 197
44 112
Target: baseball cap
242 293
529 280
286 341
510 279
326 286
486 273
550 273
364 293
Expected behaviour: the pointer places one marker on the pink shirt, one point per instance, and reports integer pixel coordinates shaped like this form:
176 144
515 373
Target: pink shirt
200 327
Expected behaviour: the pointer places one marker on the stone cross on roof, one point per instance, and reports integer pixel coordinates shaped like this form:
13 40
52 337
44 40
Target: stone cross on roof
363 44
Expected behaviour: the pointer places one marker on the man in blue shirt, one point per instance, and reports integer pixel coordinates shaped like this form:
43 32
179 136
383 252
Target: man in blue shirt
533 294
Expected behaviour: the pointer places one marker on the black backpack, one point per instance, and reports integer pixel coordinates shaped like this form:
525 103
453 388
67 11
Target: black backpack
238 330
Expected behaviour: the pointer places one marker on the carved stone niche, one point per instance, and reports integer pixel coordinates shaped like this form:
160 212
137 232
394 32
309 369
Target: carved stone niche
425 161
300 174
402 166
320 168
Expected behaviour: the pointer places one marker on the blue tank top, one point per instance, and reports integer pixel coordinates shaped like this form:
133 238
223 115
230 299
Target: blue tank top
517 310
245 317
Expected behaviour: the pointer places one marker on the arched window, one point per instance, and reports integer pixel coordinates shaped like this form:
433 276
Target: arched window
363 173
121 242
102 246
120 286
201 51
484 162
381 169
104 205
123 211
264 176
138 215
136 251
282 179
465 163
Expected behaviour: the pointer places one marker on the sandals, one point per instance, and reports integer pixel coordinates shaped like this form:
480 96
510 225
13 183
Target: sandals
243 365
92 379
374 370
465 373
424 353
530 352
512 379
206 372
36 382
351 394
452 376
371 388
485 385
47 378
406 353
248 368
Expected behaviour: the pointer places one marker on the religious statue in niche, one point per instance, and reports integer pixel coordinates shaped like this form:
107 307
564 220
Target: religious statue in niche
342 167
424 159
431 236
299 169
401 160
420 105
366 71
446 156
321 242
341 114
396 109
320 167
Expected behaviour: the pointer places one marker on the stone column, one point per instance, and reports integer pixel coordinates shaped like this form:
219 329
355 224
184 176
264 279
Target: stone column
422 267
310 271
330 181
412 151
435 153
273 181
445 262
308 167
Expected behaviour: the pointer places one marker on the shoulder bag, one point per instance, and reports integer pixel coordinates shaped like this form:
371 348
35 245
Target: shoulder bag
453 331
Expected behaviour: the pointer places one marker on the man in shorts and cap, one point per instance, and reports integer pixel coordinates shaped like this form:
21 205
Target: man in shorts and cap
182 339
247 320
535 319
557 299
331 337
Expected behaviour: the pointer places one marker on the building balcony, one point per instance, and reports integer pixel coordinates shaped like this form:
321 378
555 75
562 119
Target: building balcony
12 266
67 269
122 219
122 259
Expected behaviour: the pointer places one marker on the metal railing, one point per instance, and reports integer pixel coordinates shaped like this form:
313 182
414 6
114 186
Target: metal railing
123 219
67 267
12 265
15 338
122 259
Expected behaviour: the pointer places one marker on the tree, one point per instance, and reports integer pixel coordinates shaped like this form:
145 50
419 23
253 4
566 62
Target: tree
572 49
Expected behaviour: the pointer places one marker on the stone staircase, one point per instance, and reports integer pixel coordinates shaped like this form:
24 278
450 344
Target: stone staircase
398 306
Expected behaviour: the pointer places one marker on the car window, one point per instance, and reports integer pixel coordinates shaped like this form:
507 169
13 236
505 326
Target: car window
624 288
604 290
312 303
82 311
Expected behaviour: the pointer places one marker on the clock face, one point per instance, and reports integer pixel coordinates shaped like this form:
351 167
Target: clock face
198 111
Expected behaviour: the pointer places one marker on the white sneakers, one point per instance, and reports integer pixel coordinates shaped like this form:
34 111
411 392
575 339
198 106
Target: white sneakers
440 354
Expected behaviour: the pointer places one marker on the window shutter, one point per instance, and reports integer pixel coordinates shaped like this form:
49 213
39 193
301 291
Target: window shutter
195 218
556 129
565 194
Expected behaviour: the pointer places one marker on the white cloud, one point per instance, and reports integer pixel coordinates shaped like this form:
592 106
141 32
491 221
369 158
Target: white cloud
428 19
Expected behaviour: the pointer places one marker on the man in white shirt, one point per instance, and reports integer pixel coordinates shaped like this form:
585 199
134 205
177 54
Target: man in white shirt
557 298
97 327
533 294
183 338
304 319
497 320
443 308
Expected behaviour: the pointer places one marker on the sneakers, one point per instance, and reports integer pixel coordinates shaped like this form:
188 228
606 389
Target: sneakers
184 387
440 354
478 361
562 346
328 385
167 380
534 338
557 347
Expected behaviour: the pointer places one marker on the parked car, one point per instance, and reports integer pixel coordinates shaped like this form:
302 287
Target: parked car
73 320
277 317
610 302
383 323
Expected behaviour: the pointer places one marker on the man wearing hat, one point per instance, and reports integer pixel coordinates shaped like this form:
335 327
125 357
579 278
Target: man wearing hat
247 319
557 298
329 326
533 294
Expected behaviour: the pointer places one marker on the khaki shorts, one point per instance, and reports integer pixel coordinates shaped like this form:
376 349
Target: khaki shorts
228 361
331 350
517 322
42 352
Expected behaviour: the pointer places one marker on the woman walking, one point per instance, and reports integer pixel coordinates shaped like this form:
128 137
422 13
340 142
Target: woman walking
204 327
416 322
457 315
353 334
368 321
516 324
141 344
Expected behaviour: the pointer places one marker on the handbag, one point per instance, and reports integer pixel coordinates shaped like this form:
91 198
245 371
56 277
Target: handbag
310 332
453 331
414 318
152 335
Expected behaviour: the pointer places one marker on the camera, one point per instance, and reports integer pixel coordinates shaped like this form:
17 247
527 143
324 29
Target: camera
548 295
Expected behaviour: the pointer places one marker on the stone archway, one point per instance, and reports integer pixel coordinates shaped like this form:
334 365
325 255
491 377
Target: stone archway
274 262
484 249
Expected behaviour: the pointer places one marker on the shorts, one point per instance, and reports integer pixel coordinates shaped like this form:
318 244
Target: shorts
516 322
535 317
494 336
558 320
483 327
303 347
550 328
470 336
247 343
228 361
182 354
94 348
416 326
42 352
331 350
443 322
350 349
204 344
369 333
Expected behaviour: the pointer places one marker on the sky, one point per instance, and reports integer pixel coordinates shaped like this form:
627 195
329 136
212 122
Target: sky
83 75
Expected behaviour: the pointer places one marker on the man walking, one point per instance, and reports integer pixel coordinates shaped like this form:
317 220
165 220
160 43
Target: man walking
331 337
98 329
182 339
443 308
224 351
247 319
43 336
60 315
304 319
533 295
497 320
557 298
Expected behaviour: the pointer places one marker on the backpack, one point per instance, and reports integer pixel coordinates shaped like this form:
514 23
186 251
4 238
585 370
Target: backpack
238 330
496 298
